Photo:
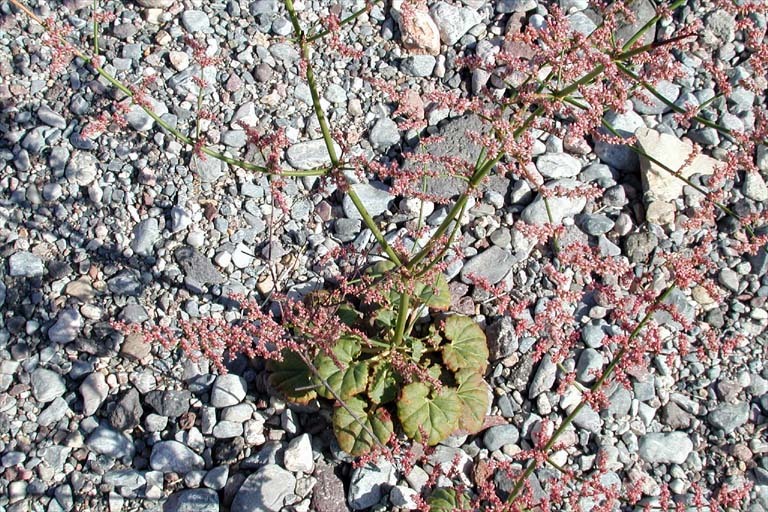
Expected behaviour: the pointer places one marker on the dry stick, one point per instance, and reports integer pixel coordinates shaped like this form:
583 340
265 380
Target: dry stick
520 483
92 60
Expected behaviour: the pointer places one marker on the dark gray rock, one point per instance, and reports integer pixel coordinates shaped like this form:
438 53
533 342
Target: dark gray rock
127 412
171 403
197 267
192 500
492 264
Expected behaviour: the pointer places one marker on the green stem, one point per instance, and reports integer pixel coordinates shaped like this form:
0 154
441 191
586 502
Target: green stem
95 29
402 317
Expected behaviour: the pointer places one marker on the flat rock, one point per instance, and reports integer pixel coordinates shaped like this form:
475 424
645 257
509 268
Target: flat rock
368 484
310 155
46 385
67 326
328 494
265 491
492 264
94 390
558 165
127 412
298 455
172 456
227 390
560 207
197 267
658 183
374 196
25 264
665 448
192 500
82 169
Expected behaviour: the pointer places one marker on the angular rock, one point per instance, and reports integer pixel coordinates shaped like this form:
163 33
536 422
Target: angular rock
25 264
665 448
368 484
453 21
94 391
46 385
617 155
172 456
384 134
658 183
310 154
544 378
418 31
492 264
192 500
265 491
227 390
67 327
171 403
374 196
197 267
729 417
298 455
127 412
328 494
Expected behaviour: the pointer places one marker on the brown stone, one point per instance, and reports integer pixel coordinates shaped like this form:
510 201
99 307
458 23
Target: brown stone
135 347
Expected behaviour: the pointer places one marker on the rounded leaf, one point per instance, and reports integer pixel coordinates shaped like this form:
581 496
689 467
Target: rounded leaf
345 376
467 347
435 295
292 378
354 425
421 410
474 397
447 500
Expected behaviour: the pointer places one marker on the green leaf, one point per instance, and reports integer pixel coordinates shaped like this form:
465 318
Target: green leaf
349 315
385 317
468 347
436 295
355 439
346 380
446 500
437 414
474 398
383 384
292 378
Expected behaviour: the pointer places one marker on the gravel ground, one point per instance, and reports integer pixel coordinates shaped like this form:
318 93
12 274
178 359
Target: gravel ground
129 226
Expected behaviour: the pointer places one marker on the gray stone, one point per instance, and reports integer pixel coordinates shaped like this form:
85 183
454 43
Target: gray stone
227 430
418 65
57 409
595 224
558 165
82 169
216 478
588 419
384 134
453 21
126 282
754 187
94 390
655 106
298 455
560 207
368 484
328 494
729 417
263 7
310 155
111 443
581 23
67 326
209 169
502 339
25 264
266 490
644 11
508 6
172 403
197 267
192 500
172 456
499 436
593 335
51 118
620 402
544 378
616 155
46 385
155 4
589 365
665 448
127 412
375 197
180 219
227 390
145 235
492 264
673 416
195 21
638 246
139 120
730 279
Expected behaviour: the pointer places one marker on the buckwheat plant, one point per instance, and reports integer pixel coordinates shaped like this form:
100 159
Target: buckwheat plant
382 344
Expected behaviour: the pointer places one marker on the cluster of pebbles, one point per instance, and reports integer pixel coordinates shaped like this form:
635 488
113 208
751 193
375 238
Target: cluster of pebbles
131 226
